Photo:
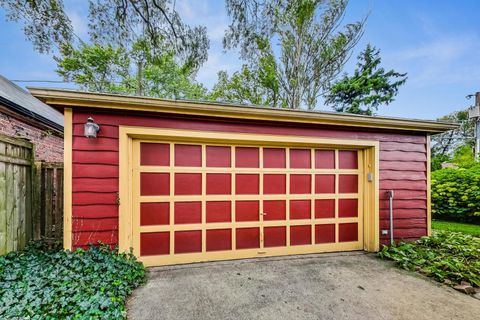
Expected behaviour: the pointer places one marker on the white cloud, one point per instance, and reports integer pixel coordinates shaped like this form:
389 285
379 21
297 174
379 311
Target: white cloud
217 61
79 23
442 60
215 19
442 49
427 24
202 13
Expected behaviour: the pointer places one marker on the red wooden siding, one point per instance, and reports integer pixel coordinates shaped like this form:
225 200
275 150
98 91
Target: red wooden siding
403 163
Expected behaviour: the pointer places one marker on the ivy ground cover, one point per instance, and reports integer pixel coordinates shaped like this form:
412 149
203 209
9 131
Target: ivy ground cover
45 283
444 256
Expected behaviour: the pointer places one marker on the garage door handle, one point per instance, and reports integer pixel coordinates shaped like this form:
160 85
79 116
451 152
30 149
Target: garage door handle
263 213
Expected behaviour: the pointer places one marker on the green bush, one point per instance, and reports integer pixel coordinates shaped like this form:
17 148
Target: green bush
443 256
436 162
50 283
456 193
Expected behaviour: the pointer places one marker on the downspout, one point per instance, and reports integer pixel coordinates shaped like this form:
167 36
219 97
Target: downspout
390 194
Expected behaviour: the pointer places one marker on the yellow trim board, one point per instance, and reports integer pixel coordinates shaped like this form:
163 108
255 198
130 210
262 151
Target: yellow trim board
72 98
241 138
129 184
67 176
150 261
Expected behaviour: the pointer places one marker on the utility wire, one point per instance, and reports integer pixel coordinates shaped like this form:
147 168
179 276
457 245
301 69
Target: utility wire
51 81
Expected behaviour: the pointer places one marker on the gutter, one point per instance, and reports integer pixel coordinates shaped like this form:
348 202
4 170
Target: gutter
30 114
73 98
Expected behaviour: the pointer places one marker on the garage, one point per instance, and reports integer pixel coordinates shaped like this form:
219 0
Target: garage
182 181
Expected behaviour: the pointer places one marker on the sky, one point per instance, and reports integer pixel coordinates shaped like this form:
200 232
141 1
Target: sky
436 42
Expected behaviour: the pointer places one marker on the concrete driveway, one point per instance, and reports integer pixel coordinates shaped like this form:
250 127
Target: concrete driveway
330 286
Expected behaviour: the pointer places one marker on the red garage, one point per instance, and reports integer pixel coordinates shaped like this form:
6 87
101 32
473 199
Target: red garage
182 181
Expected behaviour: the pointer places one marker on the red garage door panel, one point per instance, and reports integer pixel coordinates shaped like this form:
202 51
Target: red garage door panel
199 202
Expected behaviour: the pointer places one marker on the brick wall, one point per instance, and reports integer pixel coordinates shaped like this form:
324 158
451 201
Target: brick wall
48 146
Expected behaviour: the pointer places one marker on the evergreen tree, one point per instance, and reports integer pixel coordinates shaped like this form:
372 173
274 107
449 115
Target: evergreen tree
368 88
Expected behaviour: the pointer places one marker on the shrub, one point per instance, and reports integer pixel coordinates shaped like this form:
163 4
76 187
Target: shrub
49 283
443 256
436 162
456 193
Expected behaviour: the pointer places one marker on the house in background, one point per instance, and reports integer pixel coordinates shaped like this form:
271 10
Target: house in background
24 116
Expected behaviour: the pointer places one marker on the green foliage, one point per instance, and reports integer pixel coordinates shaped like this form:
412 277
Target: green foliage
313 46
436 162
94 67
108 69
134 46
255 84
123 23
444 255
471 229
445 144
247 86
163 77
368 88
464 157
44 283
456 193
45 22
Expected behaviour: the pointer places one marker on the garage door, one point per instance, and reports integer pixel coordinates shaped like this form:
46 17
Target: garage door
199 202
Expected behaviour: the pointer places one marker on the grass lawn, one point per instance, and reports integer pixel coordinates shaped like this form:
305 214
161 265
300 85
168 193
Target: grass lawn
50 283
472 229
446 255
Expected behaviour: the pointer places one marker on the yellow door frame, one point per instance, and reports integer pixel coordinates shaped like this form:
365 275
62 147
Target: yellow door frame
370 161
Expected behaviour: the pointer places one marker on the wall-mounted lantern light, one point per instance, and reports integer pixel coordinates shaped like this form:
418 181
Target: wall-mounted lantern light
91 128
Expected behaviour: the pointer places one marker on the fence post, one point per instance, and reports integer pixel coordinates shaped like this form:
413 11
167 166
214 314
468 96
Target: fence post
37 200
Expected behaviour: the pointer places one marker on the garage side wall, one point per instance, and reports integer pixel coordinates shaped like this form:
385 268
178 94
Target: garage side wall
95 172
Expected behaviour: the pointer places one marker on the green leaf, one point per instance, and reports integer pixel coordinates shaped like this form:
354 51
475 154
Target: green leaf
45 282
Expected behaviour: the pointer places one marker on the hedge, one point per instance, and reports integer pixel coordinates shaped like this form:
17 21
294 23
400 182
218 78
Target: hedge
456 193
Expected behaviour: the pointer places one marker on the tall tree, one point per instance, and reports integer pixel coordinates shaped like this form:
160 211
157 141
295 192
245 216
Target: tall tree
133 44
107 69
123 23
257 86
94 67
300 46
444 144
369 87
45 23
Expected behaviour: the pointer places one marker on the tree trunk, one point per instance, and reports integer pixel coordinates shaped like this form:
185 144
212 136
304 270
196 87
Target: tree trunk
139 78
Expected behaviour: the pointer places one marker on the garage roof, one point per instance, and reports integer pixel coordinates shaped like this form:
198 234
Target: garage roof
74 98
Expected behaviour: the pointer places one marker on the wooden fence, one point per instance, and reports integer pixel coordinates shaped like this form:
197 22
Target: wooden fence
16 158
49 221
31 196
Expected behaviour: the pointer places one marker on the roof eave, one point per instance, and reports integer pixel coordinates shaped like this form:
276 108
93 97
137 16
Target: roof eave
32 115
71 98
